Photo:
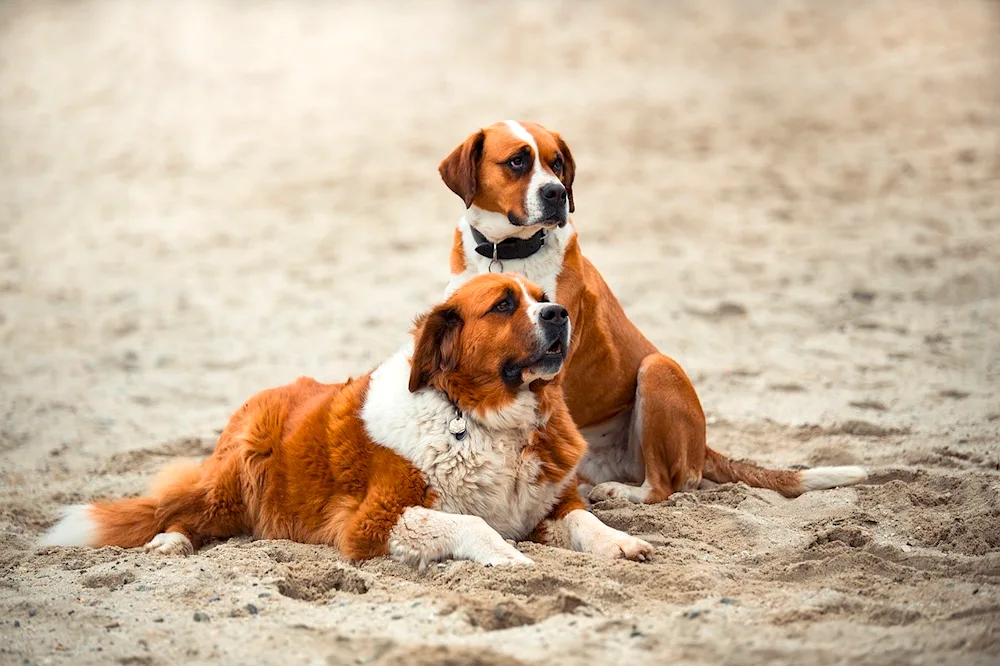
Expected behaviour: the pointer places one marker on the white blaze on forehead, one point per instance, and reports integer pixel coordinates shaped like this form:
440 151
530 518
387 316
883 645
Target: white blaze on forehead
524 135
524 290
518 130
533 305
539 176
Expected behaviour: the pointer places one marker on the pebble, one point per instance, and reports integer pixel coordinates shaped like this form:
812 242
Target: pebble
251 609
201 617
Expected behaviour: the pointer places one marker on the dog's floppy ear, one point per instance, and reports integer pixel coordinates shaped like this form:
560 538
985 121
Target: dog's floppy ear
436 345
569 170
458 170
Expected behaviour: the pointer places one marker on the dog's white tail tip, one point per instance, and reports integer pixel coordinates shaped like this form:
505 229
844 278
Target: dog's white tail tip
77 527
821 478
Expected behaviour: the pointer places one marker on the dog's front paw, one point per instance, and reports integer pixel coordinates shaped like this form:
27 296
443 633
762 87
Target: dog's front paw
170 543
624 547
500 553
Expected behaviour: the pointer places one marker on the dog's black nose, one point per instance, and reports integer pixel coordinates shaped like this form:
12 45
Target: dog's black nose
553 193
554 314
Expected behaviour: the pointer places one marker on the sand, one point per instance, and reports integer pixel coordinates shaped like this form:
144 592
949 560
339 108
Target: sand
798 201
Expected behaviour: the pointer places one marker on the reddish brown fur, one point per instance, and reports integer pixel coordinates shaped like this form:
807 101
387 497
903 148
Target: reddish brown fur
607 350
721 469
296 462
558 444
293 463
458 260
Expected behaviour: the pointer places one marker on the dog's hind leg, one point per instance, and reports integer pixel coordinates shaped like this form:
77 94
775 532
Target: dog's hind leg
173 519
669 425
183 510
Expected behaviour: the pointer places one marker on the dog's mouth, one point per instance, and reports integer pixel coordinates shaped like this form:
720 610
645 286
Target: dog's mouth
546 364
556 350
550 359
556 220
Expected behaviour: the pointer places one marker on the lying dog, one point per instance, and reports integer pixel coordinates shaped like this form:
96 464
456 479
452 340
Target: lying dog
457 442
636 407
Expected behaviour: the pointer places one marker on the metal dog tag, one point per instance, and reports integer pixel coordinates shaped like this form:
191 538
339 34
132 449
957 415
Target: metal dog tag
457 428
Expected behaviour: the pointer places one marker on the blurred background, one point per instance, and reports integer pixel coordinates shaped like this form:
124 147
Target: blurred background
800 201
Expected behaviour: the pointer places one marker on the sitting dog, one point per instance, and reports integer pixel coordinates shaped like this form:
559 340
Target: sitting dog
636 407
457 442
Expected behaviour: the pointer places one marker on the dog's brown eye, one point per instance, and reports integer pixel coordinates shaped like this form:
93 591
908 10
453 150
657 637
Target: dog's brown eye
516 163
503 306
557 166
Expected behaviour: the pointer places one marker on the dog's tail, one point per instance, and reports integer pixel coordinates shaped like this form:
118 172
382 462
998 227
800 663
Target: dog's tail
130 522
720 469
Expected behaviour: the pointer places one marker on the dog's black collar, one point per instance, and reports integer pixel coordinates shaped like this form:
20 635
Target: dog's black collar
510 248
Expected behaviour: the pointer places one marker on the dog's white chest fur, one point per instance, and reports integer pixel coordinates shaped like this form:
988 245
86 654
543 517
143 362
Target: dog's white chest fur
542 268
484 474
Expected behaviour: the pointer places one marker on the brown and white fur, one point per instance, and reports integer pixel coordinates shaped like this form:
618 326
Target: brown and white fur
371 466
635 406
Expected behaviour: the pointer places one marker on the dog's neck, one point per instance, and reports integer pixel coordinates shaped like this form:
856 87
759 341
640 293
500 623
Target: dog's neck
542 267
431 409
517 411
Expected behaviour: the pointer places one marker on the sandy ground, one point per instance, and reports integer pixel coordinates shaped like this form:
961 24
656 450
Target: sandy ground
799 201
